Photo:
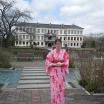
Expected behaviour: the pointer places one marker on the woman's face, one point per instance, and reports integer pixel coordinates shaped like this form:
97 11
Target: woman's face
58 45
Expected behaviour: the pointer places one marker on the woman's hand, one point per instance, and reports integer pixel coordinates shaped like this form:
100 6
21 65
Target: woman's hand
59 64
53 64
56 64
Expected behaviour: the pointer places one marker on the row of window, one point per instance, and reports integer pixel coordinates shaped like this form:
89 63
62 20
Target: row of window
54 31
28 43
26 29
42 38
42 43
71 38
29 37
74 44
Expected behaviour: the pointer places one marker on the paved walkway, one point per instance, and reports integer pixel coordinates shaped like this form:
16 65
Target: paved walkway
21 96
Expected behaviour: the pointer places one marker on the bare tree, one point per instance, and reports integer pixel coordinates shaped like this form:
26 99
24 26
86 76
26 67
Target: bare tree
9 17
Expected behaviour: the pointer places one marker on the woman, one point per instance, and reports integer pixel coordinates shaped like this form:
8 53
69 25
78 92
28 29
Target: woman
56 64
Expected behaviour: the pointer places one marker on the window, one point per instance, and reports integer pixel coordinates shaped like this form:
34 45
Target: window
20 36
19 42
23 42
77 44
54 31
43 30
68 31
38 30
48 32
33 29
68 38
60 31
27 43
34 43
71 38
77 38
38 37
71 31
74 31
51 31
74 44
38 43
71 44
64 38
74 38
57 31
80 32
41 43
50 37
30 30
30 37
61 38
80 38
34 37
27 29
42 37
23 36
23 28
27 36
65 31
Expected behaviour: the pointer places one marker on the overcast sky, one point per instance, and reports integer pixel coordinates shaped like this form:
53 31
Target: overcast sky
88 14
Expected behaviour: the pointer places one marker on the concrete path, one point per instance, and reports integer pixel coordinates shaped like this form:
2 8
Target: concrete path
21 96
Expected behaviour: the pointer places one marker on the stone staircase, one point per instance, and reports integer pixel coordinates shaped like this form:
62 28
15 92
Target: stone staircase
36 78
33 78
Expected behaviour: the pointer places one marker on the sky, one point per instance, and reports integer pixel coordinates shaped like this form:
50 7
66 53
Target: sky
88 14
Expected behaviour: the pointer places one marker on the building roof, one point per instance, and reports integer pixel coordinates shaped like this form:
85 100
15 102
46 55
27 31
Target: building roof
42 25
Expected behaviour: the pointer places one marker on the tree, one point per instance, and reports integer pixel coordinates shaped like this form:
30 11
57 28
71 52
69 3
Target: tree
10 16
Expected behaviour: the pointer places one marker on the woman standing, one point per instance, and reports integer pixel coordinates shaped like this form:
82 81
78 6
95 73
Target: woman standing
56 64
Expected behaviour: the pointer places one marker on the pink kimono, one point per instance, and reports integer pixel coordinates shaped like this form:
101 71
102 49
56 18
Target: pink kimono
57 74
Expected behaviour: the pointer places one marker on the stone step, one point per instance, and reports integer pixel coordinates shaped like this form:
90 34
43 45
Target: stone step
34 68
35 74
33 81
34 77
34 71
33 86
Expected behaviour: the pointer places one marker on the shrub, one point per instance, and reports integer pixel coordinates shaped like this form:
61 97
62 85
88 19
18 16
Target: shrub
4 59
83 82
89 85
71 63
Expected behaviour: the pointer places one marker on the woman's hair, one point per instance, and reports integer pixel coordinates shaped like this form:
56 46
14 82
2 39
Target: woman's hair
58 40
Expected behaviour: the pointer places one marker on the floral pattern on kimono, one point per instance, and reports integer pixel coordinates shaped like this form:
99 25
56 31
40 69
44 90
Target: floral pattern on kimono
57 74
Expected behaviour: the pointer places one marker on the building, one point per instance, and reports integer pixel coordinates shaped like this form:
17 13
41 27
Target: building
43 35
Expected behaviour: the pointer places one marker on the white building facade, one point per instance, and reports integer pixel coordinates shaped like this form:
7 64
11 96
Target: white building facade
43 35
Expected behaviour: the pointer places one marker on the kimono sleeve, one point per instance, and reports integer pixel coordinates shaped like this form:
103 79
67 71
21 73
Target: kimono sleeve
66 62
48 63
